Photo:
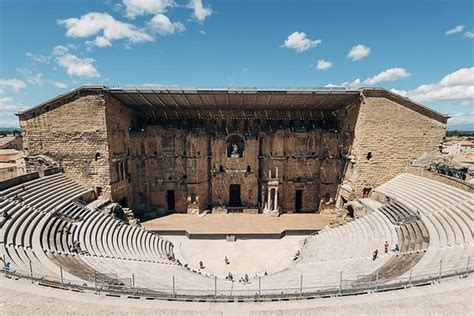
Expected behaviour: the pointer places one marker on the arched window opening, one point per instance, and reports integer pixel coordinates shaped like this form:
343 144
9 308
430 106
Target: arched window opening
235 146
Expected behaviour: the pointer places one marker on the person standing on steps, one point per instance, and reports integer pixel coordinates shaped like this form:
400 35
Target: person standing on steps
386 246
374 255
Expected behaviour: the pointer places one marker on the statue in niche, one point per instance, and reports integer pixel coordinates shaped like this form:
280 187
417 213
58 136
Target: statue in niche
235 146
235 151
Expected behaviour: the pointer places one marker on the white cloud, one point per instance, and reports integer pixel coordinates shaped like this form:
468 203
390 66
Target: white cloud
469 34
75 66
100 41
400 92
358 52
200 12
456 29
36 80
391 74
202 32
355 84
461 77
134 8
299 42
105 28
455 86
59 85
14 85
162 25
31 78
38 58
8 108
461 118
323 64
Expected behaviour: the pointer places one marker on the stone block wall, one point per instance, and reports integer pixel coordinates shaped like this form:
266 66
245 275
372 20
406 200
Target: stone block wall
119 123
387 137
75 135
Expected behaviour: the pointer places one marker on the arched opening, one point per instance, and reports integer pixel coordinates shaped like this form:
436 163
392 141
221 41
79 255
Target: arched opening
249 169
235 146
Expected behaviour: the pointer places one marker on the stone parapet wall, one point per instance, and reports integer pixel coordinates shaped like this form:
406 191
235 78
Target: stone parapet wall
457 183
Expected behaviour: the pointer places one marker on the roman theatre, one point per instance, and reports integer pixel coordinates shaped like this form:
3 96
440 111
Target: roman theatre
235 195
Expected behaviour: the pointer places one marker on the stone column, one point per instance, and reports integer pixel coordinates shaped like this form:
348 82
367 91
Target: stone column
275 205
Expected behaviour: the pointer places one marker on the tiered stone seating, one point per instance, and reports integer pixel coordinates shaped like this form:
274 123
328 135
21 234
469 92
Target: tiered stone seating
44 222
397 213
446 213
26 208
429 221
102 235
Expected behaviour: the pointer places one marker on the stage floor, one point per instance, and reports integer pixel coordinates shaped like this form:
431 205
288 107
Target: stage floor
238 224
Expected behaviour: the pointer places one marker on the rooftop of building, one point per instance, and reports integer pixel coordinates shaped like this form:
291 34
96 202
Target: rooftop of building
466 143
6 139
173 99
10 152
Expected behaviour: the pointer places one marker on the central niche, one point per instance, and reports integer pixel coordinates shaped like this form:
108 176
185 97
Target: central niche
235 146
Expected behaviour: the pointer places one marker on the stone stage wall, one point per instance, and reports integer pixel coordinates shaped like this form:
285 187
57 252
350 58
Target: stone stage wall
181 165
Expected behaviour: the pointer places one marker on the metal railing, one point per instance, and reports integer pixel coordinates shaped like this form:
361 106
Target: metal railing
112 285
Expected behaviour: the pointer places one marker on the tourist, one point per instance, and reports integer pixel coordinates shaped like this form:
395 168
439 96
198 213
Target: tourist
230 277
201 265
6 266
396 249
226 260
374 255
385 246
23 187
77 246
246 278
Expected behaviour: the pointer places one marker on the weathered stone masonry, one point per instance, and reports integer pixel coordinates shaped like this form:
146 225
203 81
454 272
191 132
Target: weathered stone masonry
75 135
388 135
173 150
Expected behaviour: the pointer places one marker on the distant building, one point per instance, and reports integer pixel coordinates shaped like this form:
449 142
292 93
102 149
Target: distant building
455 148
12 163
11 142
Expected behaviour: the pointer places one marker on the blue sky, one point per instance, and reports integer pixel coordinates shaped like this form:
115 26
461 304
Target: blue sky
422 49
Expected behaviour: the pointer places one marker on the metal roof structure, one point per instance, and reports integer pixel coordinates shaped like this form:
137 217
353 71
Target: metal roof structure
162 100
243 103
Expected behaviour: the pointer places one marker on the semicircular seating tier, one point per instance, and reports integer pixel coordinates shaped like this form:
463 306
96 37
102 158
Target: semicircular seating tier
47 226
447 214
